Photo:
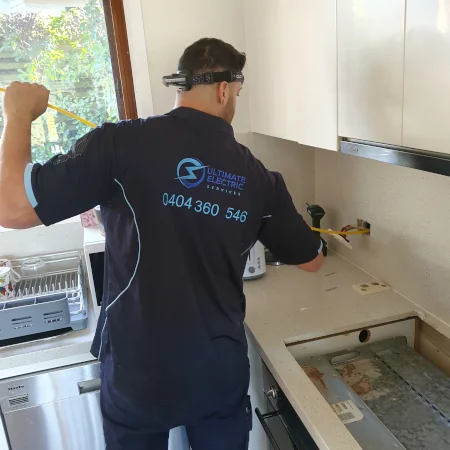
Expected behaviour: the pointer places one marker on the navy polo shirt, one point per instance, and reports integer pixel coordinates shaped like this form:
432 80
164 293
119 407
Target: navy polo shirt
182 203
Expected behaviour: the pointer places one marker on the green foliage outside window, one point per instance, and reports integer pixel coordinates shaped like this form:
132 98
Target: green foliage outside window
69 53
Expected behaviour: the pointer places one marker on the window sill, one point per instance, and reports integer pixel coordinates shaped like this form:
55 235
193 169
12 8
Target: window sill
71 220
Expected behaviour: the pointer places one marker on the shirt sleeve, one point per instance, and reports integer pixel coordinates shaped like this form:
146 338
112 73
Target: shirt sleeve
284 231
73 183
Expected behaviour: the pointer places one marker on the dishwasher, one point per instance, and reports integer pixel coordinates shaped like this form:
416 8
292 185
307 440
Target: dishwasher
54 410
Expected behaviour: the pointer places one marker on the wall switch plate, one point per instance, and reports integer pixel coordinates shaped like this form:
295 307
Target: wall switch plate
372 287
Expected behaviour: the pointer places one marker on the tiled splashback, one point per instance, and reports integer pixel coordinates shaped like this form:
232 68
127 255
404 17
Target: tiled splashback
295 162
409 212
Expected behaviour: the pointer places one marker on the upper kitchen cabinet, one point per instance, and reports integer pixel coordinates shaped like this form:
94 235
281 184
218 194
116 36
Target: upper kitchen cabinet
427 76
292 70
370 69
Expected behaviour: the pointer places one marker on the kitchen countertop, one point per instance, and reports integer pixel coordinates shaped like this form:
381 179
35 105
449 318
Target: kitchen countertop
289 305
94 241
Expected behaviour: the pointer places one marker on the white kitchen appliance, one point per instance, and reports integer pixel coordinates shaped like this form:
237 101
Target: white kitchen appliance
256 262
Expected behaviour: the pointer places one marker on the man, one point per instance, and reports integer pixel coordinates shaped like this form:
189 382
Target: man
182 204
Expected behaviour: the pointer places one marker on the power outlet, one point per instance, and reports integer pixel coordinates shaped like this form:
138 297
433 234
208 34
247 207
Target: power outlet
372 287
361 223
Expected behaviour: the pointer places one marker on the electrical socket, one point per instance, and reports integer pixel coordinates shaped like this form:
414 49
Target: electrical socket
372 287
361 223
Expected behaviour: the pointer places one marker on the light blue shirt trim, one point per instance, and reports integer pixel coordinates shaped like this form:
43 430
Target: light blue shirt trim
28 185
138 233
320 248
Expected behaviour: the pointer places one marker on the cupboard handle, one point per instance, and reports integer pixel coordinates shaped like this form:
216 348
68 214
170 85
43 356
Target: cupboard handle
85 387
269 434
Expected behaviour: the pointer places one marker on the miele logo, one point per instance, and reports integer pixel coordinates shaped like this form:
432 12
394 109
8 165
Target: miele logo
15 388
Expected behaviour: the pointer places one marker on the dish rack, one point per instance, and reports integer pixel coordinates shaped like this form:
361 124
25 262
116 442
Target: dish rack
52 300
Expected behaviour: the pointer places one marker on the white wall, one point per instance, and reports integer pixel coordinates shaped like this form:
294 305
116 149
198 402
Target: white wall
167 29
409 213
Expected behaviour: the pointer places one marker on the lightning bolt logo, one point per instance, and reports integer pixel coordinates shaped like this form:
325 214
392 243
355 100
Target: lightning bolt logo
192 175
191 166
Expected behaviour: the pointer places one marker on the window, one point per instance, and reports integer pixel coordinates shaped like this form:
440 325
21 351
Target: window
79 50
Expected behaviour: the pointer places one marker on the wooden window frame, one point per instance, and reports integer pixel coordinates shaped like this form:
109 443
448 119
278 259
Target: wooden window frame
120 58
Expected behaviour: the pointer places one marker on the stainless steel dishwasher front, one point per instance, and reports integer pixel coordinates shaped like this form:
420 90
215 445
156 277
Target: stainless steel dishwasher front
54 410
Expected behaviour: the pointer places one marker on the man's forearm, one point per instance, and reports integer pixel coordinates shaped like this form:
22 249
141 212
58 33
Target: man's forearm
15 154
22 104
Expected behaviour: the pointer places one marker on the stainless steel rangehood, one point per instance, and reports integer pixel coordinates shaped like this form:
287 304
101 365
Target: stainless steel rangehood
400 156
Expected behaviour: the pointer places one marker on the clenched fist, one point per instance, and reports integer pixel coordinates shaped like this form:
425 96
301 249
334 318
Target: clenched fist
25 101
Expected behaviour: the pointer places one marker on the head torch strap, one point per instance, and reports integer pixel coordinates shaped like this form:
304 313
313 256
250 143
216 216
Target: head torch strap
185 80
217 77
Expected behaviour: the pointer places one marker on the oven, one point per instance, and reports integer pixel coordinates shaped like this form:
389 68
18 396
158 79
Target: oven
284 429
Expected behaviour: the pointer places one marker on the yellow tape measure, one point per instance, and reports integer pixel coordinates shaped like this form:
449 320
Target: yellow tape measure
66 113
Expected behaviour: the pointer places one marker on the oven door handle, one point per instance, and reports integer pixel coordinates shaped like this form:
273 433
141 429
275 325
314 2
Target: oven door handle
262 418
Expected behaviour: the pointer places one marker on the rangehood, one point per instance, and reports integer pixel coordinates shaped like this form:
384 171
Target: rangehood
400 156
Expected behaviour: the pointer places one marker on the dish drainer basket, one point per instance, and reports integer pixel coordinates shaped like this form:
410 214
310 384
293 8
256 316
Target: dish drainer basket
50 301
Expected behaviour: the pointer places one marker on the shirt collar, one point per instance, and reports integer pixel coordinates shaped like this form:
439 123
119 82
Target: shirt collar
203 119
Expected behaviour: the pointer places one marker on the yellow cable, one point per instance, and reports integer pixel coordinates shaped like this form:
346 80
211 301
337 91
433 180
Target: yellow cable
74 116
67 113
341 233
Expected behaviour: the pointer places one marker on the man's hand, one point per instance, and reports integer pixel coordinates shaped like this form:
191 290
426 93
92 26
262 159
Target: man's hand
24 101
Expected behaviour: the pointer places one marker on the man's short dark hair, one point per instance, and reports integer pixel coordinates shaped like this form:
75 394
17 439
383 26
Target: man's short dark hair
211 55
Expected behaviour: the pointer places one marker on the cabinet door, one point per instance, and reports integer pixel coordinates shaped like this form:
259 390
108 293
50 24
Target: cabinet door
427 76
291 47
370 69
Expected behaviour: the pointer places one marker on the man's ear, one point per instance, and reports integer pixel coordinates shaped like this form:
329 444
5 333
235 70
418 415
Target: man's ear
223 92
